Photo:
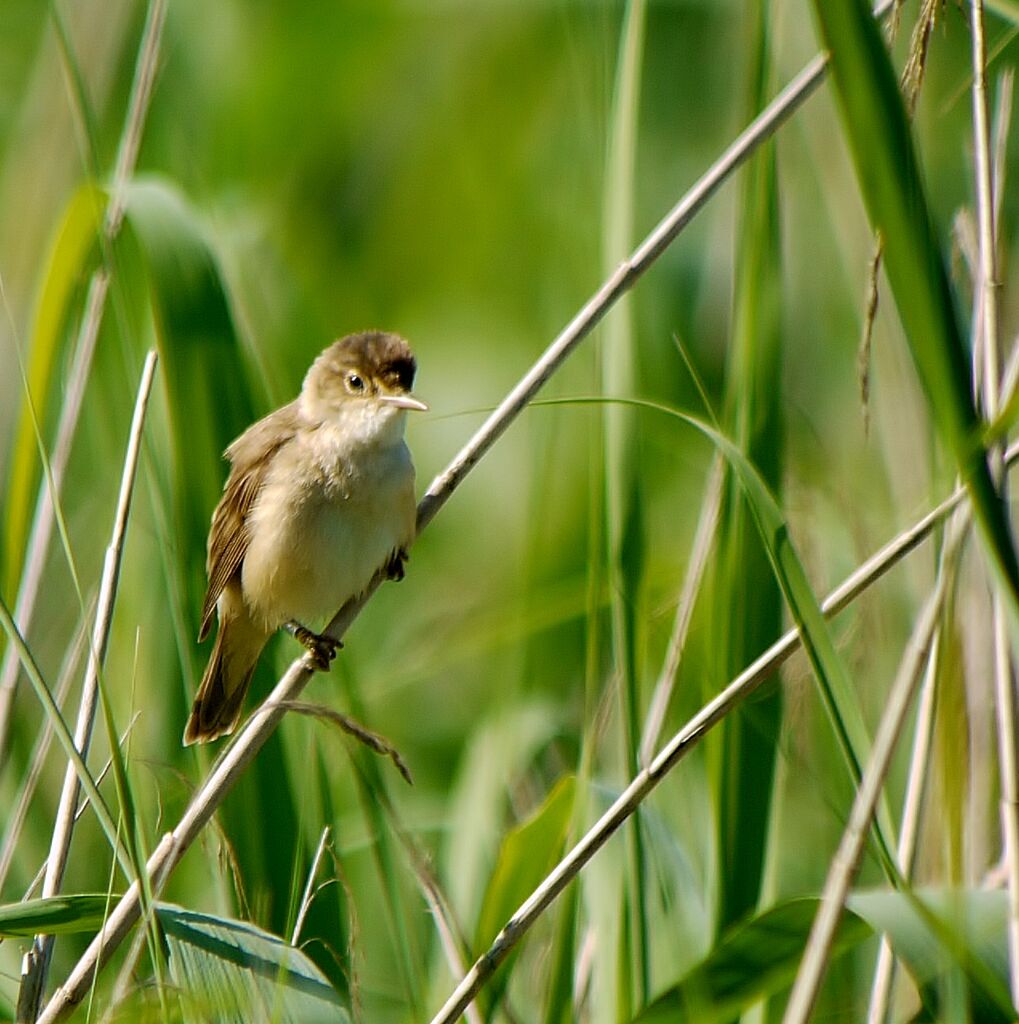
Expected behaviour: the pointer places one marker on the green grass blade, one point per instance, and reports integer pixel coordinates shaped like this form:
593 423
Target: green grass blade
56 915
624 526
66 264
747 613
888 173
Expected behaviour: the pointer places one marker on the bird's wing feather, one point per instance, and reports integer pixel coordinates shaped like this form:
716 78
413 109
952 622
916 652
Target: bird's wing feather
250 457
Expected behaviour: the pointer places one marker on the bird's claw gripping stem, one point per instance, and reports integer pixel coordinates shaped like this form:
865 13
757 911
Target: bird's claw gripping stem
321 648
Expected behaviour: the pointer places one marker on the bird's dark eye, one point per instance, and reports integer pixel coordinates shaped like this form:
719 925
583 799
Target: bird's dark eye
354 382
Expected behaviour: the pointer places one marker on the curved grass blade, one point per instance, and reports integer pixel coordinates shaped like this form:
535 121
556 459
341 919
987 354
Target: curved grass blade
747 601
837 693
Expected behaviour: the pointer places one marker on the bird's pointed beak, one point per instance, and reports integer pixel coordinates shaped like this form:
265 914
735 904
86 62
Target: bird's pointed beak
404 402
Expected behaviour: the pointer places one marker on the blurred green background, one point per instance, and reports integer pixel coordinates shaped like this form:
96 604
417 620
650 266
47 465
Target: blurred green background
439 169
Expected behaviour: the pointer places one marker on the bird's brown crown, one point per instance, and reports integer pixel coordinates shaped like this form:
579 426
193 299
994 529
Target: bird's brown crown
374 355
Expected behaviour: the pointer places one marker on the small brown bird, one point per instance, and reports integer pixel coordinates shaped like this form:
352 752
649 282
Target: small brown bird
320 496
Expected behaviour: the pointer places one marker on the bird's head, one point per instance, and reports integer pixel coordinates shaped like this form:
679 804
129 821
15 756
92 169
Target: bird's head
362 383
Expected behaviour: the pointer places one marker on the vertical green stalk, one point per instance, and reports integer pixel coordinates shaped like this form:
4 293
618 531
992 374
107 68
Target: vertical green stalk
748 600
624 528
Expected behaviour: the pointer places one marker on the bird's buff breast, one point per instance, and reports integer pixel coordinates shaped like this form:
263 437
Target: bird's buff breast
317 539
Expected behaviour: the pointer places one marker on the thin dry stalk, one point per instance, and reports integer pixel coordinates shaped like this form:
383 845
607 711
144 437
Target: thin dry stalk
987 279
884 972
448 941
309 886
1002 124
451 935
348 725
847 857
870 304
36 963
986 300
704 539
43 521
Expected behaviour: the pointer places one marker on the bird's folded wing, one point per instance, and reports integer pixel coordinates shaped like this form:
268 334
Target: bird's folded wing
250 455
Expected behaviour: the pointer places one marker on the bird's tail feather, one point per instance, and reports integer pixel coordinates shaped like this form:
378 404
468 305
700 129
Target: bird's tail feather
217 706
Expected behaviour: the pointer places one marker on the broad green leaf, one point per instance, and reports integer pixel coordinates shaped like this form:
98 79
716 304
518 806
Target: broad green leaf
56 915
526 856
931 933
231 971
934 932
201 356
1007 9
754 960
889 176
66 267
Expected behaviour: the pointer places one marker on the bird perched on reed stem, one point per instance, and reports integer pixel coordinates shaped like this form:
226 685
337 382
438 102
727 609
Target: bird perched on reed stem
320 496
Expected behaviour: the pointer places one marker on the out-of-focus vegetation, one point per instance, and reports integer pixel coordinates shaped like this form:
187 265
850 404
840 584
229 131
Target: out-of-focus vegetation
465 175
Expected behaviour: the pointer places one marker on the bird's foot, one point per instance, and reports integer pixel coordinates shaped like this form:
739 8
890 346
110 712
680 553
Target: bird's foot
394 567
320 647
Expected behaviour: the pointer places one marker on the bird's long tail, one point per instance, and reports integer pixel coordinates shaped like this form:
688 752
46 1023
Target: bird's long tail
217 706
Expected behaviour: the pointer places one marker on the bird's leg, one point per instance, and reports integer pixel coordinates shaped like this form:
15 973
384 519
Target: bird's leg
394 567
322 648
